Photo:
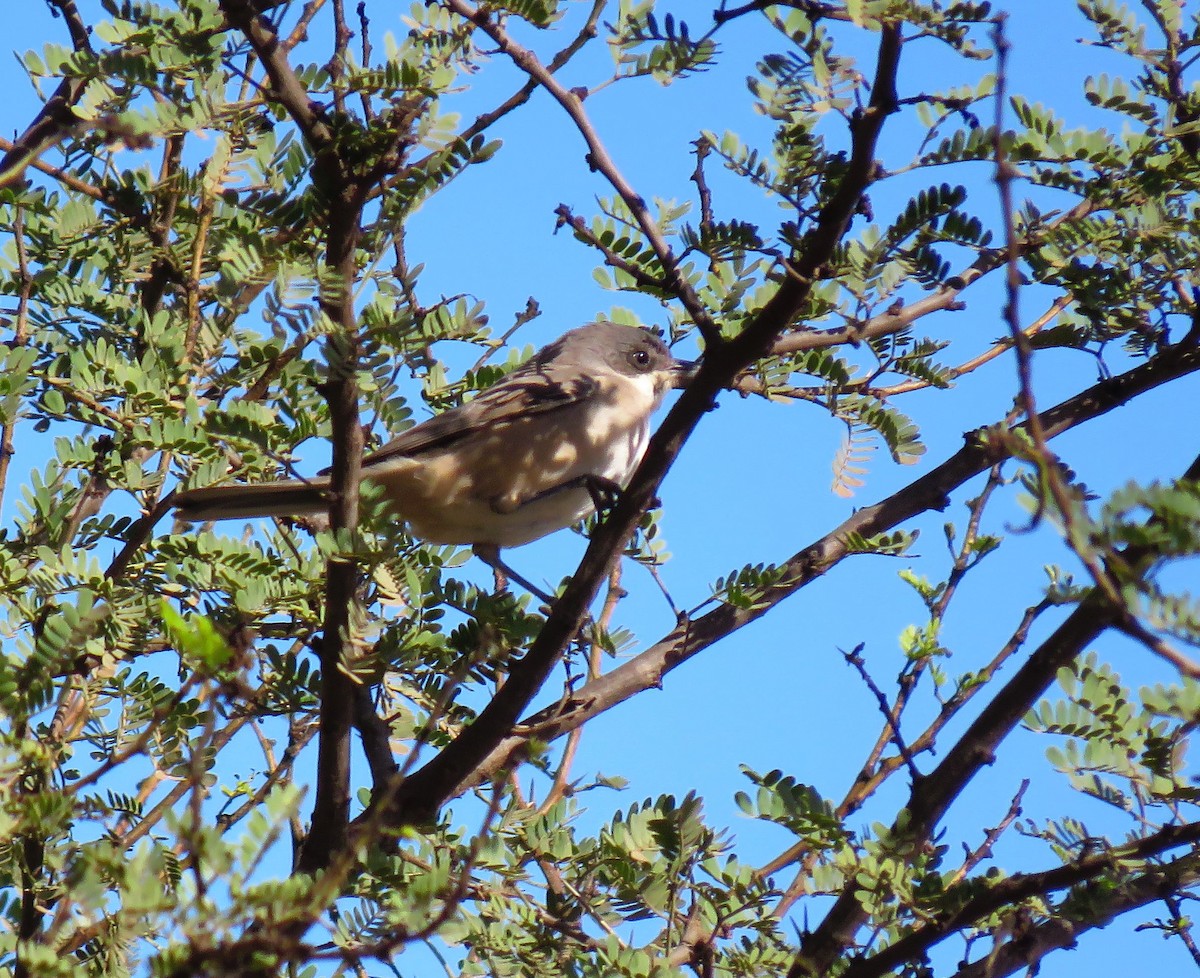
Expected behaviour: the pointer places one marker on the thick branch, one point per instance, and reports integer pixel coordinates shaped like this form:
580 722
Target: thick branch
331 809
1104 907
344 198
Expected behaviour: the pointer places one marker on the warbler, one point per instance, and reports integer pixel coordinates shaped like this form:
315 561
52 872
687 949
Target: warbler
534 453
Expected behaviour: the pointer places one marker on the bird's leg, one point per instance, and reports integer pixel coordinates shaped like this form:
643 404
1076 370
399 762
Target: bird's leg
490 555
604 493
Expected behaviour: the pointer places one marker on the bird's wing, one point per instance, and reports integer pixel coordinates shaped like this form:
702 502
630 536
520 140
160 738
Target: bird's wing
535 388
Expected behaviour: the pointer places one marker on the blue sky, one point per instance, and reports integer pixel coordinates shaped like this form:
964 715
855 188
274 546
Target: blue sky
754 483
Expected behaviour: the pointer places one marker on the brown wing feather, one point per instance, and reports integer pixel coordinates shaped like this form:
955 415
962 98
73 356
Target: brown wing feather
535 388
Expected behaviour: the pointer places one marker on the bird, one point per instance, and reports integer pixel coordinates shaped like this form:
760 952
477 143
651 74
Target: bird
544 447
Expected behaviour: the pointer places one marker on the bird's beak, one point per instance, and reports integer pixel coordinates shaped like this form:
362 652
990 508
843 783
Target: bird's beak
682 372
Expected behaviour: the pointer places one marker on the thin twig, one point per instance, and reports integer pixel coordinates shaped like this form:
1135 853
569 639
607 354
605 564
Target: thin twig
598 159
988 355
486 120
703 148
299 33
72 182
1183 927
890 712
562 774
581 230
945 298
1185 665
984 851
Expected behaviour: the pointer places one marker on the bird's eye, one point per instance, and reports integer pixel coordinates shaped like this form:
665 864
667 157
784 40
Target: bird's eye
640 359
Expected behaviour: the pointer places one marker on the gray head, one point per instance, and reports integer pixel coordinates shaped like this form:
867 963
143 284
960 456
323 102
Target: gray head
621 349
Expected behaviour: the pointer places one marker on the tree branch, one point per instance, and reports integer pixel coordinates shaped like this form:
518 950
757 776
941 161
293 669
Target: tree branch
344 198
814 8
285 84
946 298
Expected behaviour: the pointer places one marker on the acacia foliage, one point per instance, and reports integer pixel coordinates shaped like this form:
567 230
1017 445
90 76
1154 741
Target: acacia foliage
206 167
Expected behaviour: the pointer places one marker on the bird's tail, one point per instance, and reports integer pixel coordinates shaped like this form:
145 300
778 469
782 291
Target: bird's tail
233 502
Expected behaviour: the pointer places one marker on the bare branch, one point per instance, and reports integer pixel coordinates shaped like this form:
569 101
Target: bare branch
984 850
891 713
946 298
